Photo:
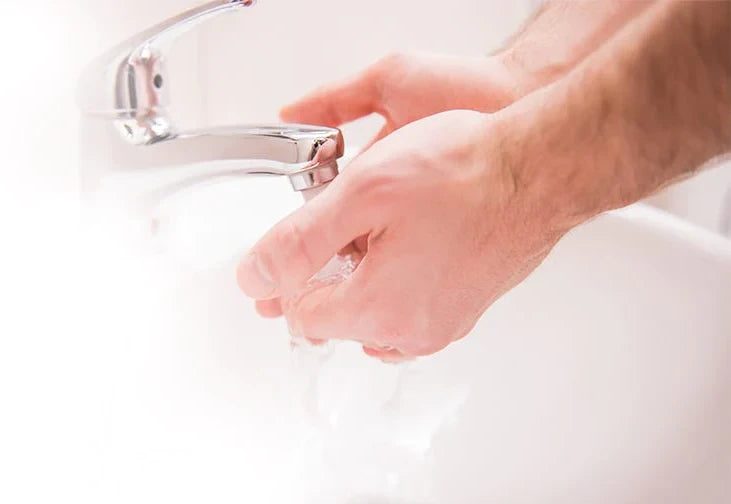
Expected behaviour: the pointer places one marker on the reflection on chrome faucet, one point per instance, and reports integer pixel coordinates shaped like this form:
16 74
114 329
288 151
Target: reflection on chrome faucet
126 91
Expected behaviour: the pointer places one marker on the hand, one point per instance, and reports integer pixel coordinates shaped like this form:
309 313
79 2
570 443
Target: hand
403 88
447 229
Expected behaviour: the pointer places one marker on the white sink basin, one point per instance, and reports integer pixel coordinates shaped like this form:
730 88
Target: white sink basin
604 378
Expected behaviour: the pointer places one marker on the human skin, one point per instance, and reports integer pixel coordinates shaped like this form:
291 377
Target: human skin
403 88
459 207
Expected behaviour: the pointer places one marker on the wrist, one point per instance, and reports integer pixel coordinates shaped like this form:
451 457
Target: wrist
548 186
528 204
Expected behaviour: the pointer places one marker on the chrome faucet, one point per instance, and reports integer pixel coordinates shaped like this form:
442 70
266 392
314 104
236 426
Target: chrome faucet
126 90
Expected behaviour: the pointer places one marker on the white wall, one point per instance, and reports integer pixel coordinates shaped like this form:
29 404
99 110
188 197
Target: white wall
257 61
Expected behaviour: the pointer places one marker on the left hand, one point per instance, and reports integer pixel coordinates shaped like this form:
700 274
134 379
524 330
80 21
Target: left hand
403 88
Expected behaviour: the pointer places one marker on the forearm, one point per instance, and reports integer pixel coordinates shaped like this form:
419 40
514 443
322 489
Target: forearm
650 106
561 35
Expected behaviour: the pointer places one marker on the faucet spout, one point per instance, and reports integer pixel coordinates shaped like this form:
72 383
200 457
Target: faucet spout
307 155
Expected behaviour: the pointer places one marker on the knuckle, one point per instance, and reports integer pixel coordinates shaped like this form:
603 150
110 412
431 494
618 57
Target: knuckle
395 59
377 187
389 64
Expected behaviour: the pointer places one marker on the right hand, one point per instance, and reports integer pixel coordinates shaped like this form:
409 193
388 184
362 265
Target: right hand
449 225
403 88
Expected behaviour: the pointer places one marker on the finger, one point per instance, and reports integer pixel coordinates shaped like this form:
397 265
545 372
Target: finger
269 308
300 245
338 103
342 311
388 355
379 306
326 313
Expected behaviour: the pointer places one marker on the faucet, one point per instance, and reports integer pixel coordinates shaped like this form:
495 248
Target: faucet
123 96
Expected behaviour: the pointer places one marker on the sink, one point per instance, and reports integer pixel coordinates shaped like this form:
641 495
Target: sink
604 377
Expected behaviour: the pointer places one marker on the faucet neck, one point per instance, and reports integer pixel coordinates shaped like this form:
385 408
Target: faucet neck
137 98
124 94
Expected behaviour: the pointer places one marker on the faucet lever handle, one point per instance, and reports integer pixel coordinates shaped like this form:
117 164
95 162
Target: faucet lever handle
127 83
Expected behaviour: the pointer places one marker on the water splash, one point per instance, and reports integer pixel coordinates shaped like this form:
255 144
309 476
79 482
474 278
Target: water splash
374 422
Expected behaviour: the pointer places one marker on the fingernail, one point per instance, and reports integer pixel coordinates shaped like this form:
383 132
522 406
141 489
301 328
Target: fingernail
254 279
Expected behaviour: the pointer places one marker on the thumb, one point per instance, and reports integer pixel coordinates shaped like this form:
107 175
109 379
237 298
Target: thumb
301 244
338 103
